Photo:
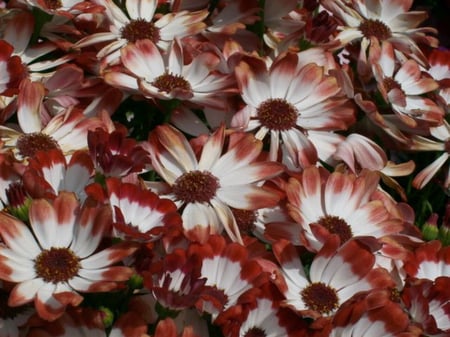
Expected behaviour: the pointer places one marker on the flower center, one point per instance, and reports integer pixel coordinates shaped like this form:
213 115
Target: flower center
277 114
30 143
196 186
244 219
53 4
57 265
169 82
140 29
320 297
336 225
389 83
255 332
375 28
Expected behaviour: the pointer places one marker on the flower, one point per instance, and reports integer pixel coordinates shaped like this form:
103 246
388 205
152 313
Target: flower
141 23
335 275
54 259
156 76
339 203
404 87
221 178
388 20
289 101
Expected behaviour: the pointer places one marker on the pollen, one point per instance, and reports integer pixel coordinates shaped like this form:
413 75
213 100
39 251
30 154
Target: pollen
245 219
375 28
389 83
140 29
320 297
53 4
57 265
30 143
255 332
169 82
336 225
196 186
277 114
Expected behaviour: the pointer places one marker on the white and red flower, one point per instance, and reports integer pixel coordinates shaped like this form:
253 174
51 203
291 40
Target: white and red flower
289 100
323 203
55 258
207 186
141 22
335 275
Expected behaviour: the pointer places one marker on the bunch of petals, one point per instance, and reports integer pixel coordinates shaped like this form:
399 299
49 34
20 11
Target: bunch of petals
140 22
11 69
17 29
115 155
428 304
323 203
439 143
13 320
439 69
429 261
404 87
50 172
296 102
36 131
167 76
232 276
56 257
137 213
367 22
226 173
264 316
337 273
374 313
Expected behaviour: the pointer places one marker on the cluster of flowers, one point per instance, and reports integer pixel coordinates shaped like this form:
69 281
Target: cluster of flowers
223 168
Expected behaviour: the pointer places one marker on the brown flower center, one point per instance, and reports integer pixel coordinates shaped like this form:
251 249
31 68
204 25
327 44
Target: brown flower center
389 83
336 225
169 82
53 4
30 143
320 297
57 265
244 219
255 332
277 114
196 186
140 29
375 28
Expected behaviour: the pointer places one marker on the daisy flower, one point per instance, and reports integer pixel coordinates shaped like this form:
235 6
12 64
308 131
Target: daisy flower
66 131
139 214
335 275
288 101
372 314
139 23
428 304
228 271
382 20
339 203
53 259
403 87
155 75
206 187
